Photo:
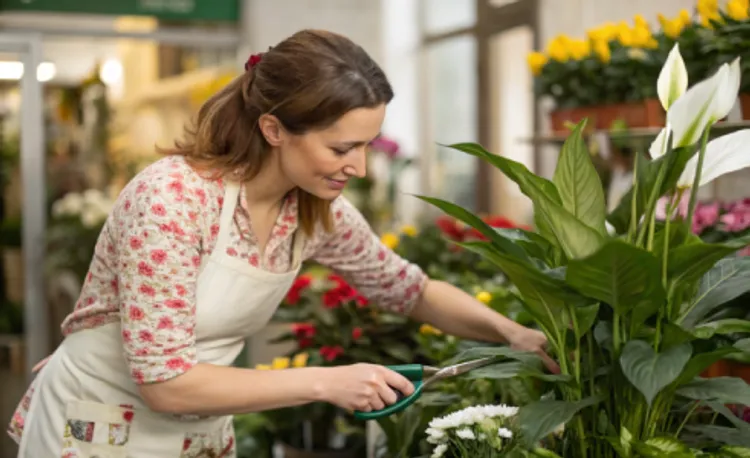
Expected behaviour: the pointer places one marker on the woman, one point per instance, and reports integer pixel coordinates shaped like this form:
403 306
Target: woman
202 246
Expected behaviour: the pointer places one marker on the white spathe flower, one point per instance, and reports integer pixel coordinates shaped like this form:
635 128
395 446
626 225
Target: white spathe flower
726 154
90 218
439 450
466 433
704 104
505 433
71 204
673 78
659 145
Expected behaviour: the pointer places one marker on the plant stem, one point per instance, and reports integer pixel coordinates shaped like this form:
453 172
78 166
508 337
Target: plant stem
687 417
634 202
697 179
651 204
616 334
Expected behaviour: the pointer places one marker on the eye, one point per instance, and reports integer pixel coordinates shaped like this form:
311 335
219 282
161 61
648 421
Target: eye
340 151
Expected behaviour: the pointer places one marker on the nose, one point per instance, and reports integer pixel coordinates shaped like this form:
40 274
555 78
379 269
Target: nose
356 164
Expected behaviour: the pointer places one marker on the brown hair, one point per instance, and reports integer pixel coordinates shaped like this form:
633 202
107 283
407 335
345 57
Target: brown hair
307 81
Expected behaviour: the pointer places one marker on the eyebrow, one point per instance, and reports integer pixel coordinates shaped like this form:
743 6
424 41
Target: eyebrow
352 144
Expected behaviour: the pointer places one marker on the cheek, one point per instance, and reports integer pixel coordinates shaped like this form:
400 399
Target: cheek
304 160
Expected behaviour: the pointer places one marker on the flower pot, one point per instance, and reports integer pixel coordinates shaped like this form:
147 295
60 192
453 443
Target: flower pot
740 370
646 113
13 269
720 368
745 106
292 452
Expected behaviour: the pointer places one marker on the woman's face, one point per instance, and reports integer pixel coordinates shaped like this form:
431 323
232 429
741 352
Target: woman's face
322 161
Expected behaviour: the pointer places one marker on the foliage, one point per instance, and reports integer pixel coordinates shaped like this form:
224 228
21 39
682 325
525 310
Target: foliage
10 232
76 222
626 301
617 62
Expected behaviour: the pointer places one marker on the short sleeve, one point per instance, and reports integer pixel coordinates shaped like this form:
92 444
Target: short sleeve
357 254
158 247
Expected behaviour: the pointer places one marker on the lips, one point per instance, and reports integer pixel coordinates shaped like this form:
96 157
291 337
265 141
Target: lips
336 184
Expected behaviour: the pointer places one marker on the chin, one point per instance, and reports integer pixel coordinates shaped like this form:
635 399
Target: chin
324 193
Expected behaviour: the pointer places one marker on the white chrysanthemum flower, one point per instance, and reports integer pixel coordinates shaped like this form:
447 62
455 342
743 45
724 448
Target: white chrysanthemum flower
466 433
473 415
435 436
505 433
439 450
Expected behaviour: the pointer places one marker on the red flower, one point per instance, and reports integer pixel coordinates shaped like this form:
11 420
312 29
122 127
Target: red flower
330 353
342 292
356 333
300 284
450 228
304 333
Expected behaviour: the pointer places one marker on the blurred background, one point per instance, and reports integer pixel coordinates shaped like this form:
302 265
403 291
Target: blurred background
87 89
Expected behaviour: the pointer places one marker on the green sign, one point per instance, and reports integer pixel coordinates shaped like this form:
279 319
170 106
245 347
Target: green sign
185 10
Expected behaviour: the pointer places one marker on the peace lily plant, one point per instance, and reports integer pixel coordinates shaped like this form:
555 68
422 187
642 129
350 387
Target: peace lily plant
626 300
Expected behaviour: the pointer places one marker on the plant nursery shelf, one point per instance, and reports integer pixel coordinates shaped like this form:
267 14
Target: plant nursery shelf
636 138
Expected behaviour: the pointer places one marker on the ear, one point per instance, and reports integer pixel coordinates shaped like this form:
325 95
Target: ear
272 129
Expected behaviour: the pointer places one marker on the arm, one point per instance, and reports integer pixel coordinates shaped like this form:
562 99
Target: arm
159 245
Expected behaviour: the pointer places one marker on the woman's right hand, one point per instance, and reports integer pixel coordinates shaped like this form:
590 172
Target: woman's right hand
362 387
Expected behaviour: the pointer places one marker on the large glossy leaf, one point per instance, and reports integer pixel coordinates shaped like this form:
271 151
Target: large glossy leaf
578 182
722 327
544 297
649 371
733 451
618 274
585 318
700 362
726 280
648 172
538 419
663 447
502 243
743 345
722 434
688 263
534 244
500 352
514 369
729 390
530 184
575 238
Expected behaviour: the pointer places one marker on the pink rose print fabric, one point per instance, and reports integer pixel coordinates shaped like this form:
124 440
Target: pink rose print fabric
149 254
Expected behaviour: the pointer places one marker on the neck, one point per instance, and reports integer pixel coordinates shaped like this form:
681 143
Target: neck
269 186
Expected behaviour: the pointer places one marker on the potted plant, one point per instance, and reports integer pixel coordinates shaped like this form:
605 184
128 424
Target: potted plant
617 294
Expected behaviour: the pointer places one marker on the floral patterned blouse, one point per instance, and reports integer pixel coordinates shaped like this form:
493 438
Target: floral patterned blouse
149 254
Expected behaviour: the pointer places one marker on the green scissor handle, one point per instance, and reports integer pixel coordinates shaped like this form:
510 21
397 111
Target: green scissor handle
413 372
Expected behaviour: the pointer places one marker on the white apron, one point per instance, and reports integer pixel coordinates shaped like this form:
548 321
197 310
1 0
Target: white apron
85 404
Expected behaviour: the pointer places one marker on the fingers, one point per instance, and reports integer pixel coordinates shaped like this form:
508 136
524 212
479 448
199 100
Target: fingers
550 363
39 365
398 382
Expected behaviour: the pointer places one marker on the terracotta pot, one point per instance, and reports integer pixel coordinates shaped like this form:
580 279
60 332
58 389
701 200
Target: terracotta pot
745 106
292 452
740 370
647 113
718 369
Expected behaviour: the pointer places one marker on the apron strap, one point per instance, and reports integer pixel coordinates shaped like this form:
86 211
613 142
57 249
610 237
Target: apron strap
231 193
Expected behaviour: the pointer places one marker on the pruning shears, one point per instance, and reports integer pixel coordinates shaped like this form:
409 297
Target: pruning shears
421 376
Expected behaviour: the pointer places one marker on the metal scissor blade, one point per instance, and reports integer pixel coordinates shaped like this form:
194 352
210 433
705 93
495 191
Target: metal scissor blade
462 368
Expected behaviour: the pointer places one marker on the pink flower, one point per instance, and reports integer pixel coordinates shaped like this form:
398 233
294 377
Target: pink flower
706 215
385 145
738 219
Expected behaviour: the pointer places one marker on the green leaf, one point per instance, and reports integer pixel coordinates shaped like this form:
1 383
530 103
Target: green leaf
534 244
648 172
667 445
578 182
502 243
486 352
723 434
688 263
728 390
544 297
585 317
735 452
743 345
728 279
722 327
556 223
530 184
620 275
649 371
700 362
516 369
538 419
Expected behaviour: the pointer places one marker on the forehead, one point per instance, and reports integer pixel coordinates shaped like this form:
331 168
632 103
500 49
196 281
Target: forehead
360 124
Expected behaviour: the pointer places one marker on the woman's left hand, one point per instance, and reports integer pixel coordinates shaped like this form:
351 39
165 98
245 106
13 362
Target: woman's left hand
531 340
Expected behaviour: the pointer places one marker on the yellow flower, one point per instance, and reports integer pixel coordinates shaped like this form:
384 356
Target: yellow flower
536 61
427 330
280 363
708 10
737 9
673 27
558 48
409 230
602 51
579 49
605 32
484 297
640 22
642 38
300 360
262 367
390 240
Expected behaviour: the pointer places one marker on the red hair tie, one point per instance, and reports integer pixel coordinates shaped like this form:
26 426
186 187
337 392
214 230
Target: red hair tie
253 61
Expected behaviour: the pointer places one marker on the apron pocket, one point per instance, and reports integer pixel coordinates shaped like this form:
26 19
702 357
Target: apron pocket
218 444
94 430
